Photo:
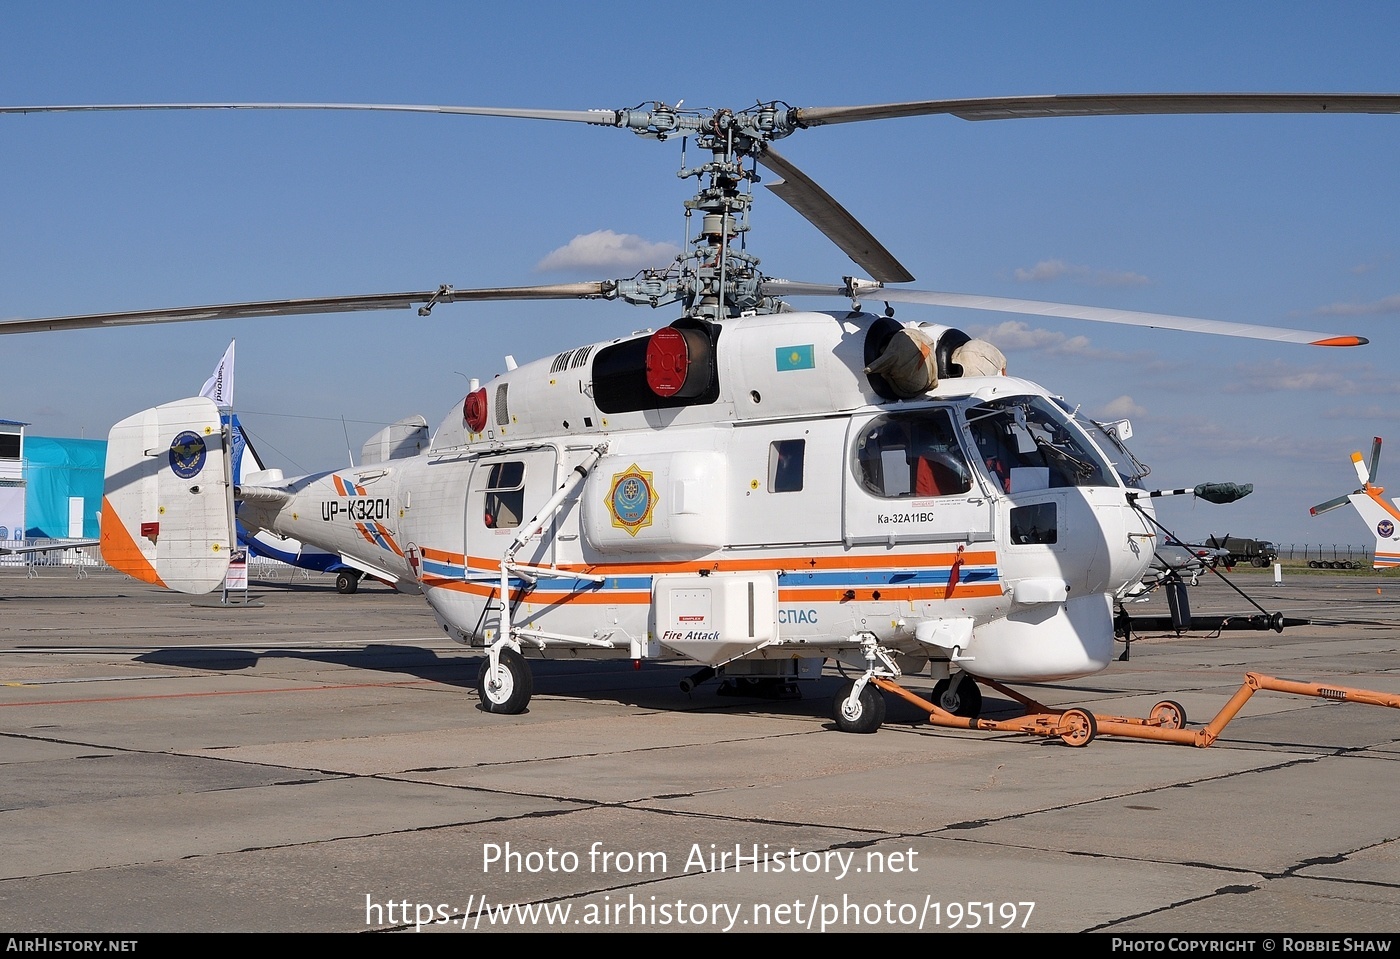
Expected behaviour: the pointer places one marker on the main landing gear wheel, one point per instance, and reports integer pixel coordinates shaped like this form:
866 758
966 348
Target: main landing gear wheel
964 699
1080 727
867 714
347 582
506 690
1169 714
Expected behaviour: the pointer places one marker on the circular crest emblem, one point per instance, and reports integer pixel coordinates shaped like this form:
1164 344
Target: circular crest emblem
1385 528
187 455
631 499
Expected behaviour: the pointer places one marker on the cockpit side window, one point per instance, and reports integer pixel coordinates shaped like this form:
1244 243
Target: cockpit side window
1026 443
1109 437
912 454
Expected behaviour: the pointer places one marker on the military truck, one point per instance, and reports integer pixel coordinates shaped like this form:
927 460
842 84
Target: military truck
1255 552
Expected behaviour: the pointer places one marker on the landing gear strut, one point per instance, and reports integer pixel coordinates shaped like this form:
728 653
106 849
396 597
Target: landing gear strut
862 714
958 695
505 685
859 707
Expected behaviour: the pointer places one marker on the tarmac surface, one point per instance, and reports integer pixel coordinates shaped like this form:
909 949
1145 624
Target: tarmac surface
320 764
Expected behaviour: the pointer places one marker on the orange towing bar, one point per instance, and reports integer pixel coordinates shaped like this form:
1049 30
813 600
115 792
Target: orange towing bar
1166 722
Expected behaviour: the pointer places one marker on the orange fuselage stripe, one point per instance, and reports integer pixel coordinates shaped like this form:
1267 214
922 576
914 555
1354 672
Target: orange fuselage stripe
642 597
911 561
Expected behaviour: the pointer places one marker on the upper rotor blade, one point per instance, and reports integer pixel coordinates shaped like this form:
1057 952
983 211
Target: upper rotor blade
1375 456
330 304
1096 105
804 195
602 117
1001 304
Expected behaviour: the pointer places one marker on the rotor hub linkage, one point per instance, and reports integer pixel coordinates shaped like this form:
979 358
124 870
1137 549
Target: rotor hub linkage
761 123
717 280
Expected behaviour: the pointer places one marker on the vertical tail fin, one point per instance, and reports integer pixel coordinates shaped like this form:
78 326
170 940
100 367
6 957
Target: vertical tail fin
167 500
1380 515
1384 521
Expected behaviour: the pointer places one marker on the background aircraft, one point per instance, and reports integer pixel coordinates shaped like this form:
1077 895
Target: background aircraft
1379 514
246 462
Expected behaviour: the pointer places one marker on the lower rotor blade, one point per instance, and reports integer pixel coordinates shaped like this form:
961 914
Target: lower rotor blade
1002 304
804 195
330 304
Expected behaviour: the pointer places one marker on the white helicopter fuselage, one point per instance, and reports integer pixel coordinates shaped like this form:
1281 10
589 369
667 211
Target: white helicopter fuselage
784 513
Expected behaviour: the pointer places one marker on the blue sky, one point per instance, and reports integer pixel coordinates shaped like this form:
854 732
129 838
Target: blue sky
1290 221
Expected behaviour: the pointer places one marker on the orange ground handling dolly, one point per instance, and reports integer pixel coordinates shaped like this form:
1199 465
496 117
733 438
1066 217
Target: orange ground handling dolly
1165 723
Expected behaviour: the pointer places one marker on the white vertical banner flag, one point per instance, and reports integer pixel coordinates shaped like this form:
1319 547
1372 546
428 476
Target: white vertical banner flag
219 387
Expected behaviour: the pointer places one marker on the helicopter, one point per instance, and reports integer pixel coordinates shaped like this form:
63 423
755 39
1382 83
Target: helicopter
1379 514
752 488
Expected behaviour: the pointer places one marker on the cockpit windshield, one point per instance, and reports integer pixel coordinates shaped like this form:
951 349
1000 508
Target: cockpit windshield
1111 438
1029 443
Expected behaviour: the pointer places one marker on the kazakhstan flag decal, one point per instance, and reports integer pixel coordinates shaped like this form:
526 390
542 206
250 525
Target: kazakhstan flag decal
795 358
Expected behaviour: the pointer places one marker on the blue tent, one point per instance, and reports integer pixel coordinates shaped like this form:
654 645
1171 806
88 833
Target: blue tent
55 470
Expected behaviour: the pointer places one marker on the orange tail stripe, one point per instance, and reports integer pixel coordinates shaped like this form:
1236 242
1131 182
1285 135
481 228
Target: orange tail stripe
120 550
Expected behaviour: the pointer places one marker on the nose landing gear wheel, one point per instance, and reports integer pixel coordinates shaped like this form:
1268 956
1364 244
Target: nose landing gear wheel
506 690
964 699
1080 727
865 716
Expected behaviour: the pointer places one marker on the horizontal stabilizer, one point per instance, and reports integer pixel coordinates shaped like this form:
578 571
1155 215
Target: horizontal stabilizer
62 544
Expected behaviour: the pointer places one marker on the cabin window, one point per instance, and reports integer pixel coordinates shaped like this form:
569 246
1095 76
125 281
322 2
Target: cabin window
785 464
9 446
912 454
505 495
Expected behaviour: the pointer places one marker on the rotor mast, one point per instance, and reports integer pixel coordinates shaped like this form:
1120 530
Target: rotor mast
718 279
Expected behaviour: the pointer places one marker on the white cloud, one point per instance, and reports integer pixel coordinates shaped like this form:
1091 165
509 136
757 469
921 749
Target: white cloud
1391 304
1276 376
1194 437
1370 265
1358 413
606 250
1015 336
1120 408
1049 270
